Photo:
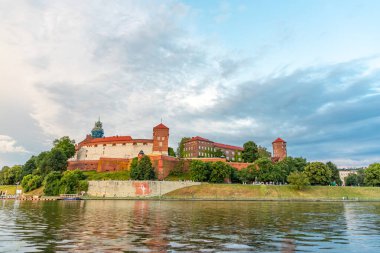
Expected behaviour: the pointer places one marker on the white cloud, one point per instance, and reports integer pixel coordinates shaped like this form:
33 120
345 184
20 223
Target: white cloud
8 145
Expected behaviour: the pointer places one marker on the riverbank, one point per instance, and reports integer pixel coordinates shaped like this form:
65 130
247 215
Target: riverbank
274 192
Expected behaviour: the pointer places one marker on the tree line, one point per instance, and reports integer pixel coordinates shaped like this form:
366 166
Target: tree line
47 169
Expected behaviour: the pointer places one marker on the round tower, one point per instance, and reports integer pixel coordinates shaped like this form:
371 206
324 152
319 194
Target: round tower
279 149
160 139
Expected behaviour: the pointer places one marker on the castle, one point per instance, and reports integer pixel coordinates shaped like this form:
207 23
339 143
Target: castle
114 153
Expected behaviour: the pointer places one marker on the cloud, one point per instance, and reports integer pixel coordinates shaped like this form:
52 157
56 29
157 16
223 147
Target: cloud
66 63
8 145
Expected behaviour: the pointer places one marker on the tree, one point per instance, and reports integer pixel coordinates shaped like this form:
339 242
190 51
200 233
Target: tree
335 173
298 179
372 175
318 173
66 145
250 152
248 174
291 164
219 172
52 183
55 160
219 153
171 151
351 180
11 175
181 147
72 182
143 169
199 171
29 166
31 182
263 152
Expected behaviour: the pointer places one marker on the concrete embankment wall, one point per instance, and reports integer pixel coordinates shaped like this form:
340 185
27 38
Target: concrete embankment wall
135 188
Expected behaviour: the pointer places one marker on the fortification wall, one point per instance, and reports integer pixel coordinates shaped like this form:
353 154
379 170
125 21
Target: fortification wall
134 188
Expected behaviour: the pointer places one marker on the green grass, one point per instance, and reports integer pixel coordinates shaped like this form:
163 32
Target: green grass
273 192
184 176
116 175
11 189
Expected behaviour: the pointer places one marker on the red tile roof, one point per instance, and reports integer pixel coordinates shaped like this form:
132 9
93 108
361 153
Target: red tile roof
113 139
160 126
225 146
278 140
198 138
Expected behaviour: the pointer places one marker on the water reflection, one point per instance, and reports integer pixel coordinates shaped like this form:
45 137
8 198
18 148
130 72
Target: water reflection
154 226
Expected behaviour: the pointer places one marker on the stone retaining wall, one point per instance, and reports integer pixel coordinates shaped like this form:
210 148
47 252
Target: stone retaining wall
135 188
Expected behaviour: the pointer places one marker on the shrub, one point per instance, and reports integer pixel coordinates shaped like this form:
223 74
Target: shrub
70 182
200 171
31 182
219 172
298 179
52 183
143 169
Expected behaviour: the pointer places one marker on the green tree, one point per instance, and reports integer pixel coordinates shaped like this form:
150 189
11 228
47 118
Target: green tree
71 182
143 169
263 152
219 172
248 174
181 147
372 175
171 151
31 182
318 173
55 160
351 180
298 179
250 152
219 153
199 171
29 166
178 169
66 145
10 175
290 164
52 183
335 173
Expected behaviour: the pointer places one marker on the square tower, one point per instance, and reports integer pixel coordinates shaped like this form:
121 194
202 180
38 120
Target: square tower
279 149
160 139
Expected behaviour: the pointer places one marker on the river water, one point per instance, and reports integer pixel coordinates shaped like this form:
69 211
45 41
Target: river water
190 226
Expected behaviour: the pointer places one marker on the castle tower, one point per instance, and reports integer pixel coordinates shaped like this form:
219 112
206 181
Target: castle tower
160 139
279 149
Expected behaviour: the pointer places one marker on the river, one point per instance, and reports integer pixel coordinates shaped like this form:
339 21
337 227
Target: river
188 226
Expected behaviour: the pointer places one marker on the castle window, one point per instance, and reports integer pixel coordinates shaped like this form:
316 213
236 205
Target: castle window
135 143
158 138
96 145
160 143
145 143
123 144
113 144
163 138
104 145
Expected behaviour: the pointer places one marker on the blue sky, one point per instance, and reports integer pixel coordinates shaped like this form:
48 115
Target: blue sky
230 71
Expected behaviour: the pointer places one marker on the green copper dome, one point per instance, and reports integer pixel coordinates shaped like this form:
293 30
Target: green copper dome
97 131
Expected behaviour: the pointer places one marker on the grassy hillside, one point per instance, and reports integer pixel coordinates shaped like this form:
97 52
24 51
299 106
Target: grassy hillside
11 189
273 192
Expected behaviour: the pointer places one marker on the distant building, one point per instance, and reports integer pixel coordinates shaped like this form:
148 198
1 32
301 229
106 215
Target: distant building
201 147
279 150
344 173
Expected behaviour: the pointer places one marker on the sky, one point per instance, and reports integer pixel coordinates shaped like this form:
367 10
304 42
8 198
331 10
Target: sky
229 71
